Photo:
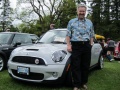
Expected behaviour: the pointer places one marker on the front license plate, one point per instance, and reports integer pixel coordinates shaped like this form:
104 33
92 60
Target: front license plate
23 70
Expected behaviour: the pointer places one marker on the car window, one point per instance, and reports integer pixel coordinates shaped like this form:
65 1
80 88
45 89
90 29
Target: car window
22 38
4 38
54 36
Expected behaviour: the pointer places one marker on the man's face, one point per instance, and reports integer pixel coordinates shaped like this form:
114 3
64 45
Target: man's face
81 12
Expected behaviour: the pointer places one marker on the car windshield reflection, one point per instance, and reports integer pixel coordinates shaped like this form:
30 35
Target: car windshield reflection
54 36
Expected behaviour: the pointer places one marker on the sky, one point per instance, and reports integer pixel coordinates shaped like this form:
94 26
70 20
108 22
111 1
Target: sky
13 3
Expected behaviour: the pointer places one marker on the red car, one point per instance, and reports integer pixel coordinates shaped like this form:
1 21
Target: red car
117 51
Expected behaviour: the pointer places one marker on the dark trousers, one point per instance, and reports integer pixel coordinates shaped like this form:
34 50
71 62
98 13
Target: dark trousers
81 58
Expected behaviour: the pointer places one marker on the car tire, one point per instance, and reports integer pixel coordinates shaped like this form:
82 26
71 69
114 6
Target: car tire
2 63
100 62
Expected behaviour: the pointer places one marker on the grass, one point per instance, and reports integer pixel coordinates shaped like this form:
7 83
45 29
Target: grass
105 79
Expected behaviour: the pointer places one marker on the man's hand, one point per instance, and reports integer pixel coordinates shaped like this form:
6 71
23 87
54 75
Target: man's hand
69 48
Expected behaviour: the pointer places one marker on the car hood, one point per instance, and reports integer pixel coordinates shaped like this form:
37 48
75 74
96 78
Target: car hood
43 51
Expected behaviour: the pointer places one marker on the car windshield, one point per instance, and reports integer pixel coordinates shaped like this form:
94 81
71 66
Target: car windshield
54 36
4 38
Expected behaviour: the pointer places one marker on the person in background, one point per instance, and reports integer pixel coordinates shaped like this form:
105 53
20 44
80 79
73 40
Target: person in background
52 26
79 40
106 53
7 30
111 45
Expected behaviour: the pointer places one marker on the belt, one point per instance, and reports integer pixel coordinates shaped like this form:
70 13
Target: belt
79 42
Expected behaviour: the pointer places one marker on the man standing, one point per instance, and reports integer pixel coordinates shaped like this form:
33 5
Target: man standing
79 42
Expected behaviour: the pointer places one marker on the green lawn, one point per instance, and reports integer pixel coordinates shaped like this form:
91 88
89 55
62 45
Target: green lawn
105 79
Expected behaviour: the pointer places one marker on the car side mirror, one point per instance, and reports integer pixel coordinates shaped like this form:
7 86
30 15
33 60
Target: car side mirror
17 43
33 40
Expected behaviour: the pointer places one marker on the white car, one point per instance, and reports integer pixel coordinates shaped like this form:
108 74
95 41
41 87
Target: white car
48 60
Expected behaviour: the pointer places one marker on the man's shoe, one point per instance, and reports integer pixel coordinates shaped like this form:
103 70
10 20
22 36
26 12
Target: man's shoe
85 87
111 60
75 88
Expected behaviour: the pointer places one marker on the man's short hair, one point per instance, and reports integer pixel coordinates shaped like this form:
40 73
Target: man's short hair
81 5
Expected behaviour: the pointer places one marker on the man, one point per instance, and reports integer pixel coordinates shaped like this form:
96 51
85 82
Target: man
79 42
8 30
52 26
111 45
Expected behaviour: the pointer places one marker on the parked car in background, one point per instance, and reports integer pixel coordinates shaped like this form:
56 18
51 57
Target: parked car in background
117 51
10 41
48 61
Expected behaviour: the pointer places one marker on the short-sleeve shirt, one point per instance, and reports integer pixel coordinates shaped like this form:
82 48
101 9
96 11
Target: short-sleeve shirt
80 30
111 43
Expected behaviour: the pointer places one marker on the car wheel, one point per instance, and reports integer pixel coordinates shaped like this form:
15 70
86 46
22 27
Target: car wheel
2 63
100 62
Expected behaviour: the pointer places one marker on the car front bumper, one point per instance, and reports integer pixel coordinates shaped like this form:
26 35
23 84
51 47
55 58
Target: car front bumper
37 73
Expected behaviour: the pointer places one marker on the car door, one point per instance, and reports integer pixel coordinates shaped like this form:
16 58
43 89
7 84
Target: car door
95 53
18 40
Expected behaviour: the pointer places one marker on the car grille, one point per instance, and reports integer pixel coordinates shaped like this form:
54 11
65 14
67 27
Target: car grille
32 76
28 60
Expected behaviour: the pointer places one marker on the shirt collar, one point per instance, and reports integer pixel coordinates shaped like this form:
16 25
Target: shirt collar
81 20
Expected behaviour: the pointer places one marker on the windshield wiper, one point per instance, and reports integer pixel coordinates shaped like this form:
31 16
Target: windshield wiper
58 42
40 42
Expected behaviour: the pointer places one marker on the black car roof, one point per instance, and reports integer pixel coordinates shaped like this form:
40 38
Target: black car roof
14 32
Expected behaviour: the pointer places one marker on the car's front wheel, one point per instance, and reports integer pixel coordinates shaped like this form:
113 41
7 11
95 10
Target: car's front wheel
2 63
100 62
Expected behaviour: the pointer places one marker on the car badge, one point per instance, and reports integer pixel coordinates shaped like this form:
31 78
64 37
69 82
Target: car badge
36 61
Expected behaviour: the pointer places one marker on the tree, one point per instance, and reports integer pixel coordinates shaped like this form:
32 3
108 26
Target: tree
68 9
5 15
105 16
42 8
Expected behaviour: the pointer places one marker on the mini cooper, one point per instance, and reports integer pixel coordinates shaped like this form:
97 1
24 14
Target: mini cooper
48 61
8 42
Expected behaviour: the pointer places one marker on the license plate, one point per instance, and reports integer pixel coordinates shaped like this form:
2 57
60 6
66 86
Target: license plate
23 70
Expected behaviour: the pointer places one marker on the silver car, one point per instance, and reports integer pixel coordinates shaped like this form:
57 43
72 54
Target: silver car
48 61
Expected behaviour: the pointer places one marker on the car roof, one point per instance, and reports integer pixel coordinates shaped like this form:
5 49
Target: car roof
14 33
60 29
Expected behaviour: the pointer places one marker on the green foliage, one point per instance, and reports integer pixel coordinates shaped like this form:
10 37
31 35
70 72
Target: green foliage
5 14
31 28
13 29
65 12
69 12
106 18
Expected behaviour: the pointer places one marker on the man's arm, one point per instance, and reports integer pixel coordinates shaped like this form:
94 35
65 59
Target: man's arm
92 35
69 47
68 40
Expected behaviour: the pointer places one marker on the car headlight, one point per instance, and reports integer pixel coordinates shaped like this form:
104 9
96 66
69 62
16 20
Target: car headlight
58 56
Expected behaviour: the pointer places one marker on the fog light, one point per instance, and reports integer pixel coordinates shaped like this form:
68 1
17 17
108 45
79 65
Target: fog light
55 74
